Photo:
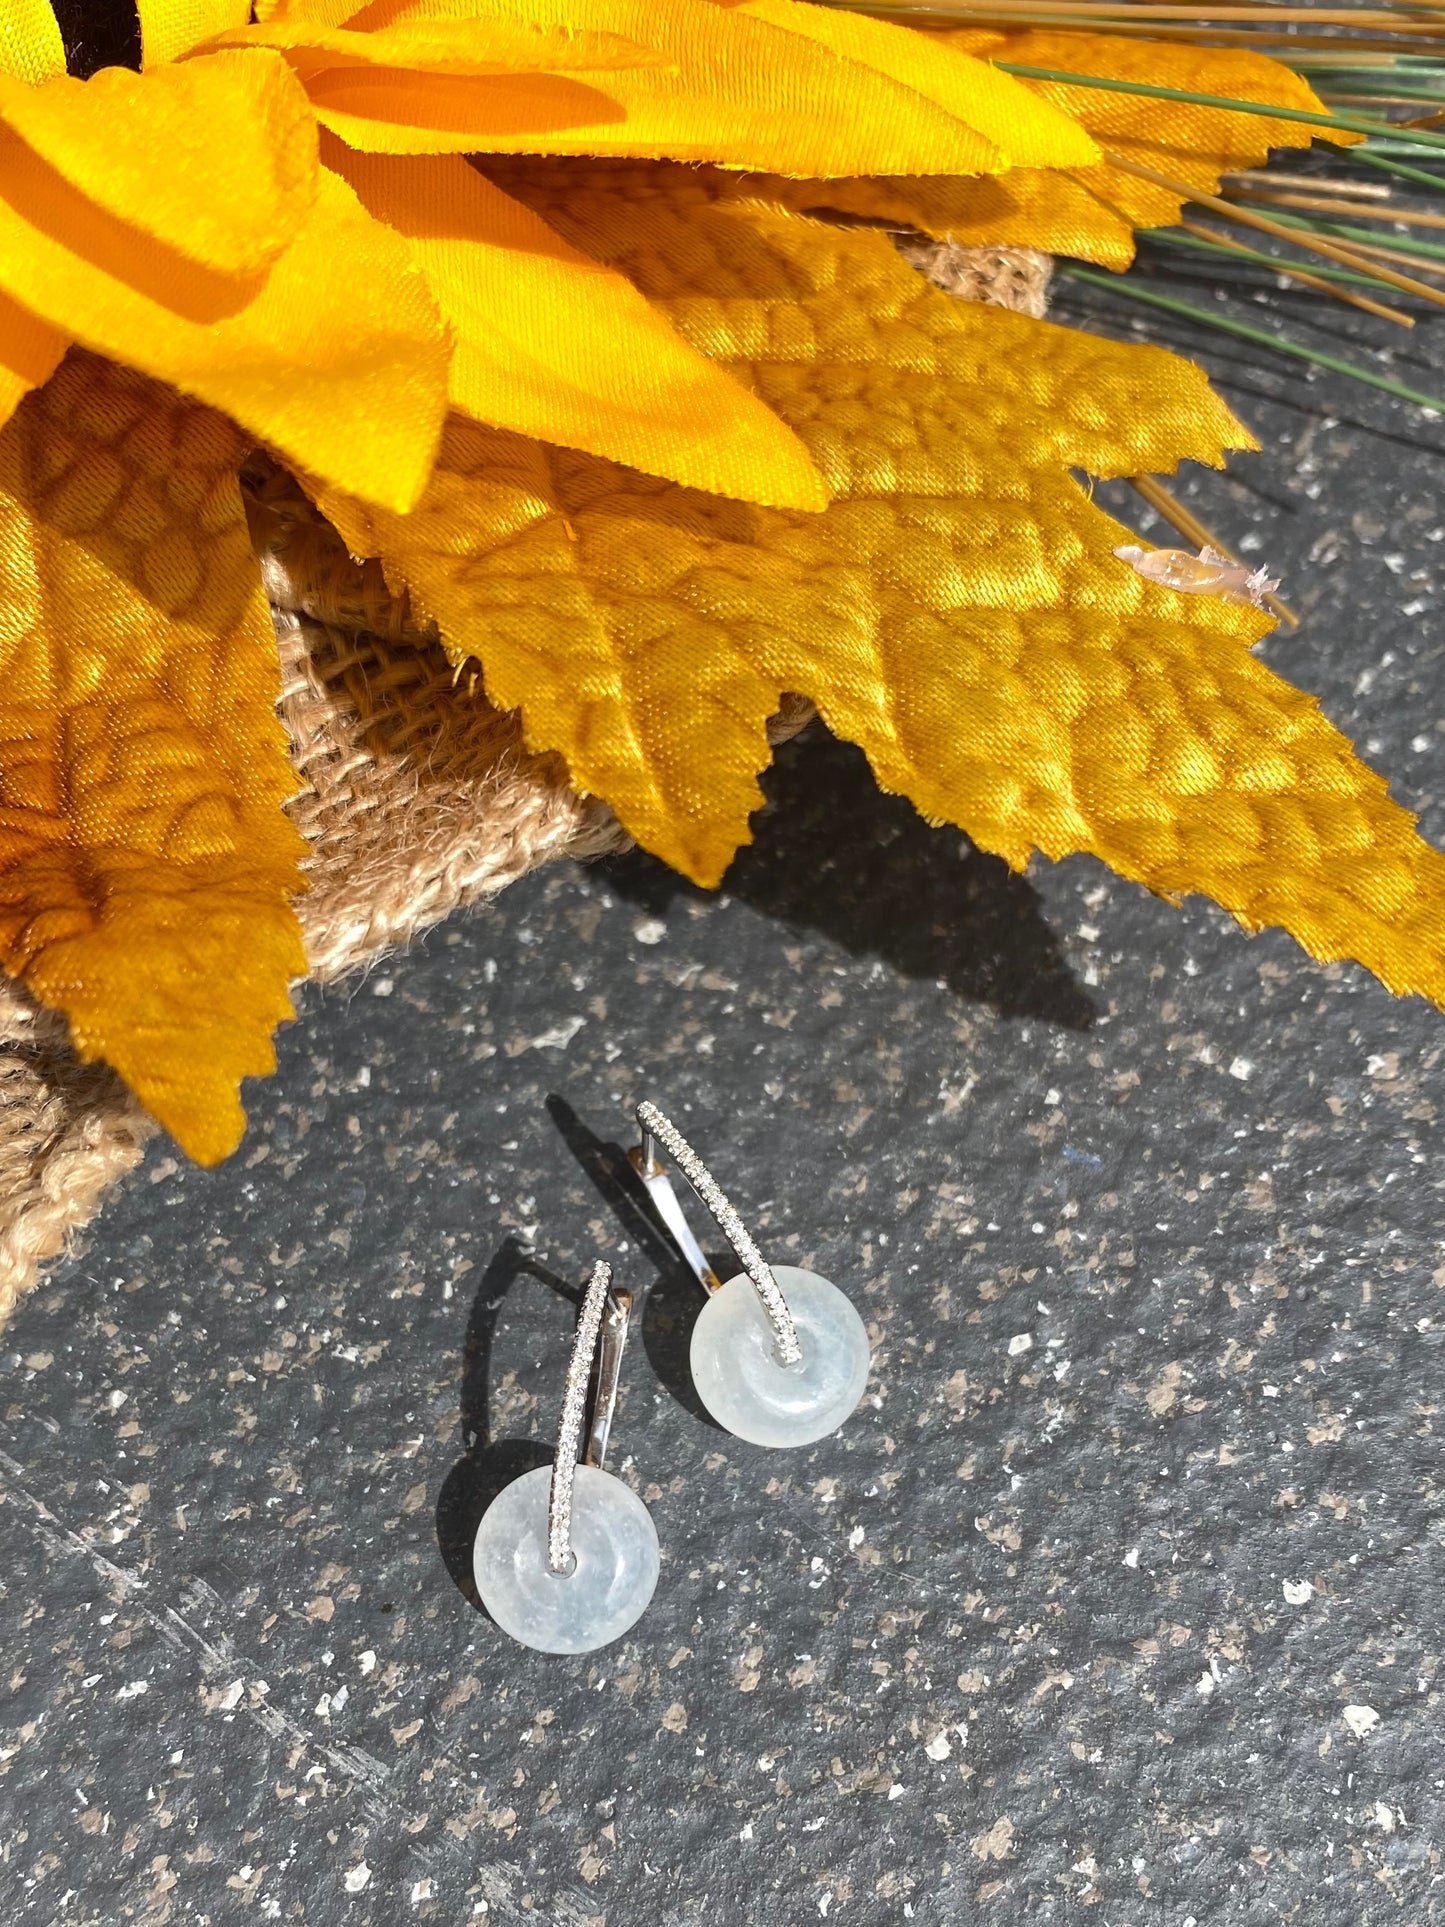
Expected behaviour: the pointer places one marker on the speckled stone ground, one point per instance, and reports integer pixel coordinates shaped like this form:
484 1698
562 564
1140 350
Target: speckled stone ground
1119 1599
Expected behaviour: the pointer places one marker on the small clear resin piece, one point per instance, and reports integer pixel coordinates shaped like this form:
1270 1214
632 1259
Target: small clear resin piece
614 1570
740 1380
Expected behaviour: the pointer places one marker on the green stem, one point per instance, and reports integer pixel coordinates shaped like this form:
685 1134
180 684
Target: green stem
1243 329
1401 243
1436 181
1320 269
1352 123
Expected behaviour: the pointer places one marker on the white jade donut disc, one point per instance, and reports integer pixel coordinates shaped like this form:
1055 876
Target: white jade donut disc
615 1546
740 1381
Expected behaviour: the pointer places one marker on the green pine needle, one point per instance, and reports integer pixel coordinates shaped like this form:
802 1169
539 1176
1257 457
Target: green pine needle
1321 270
1353 123
1399 168
1247 333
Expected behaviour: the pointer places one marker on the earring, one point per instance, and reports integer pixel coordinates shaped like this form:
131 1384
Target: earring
772 1368
558 1583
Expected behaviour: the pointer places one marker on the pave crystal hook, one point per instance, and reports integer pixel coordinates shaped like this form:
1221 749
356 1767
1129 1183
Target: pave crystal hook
657 1129
566 1558
779 1355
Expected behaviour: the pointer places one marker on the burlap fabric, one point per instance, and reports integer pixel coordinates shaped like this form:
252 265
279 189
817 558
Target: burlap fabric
414 799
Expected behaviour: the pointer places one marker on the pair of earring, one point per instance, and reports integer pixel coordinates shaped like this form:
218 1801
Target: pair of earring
779 1357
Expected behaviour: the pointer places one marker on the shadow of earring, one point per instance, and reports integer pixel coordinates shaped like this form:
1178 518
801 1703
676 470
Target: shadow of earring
489 1464
673 1301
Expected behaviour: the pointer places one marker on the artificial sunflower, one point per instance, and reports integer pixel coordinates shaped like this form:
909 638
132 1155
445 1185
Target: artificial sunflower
576 313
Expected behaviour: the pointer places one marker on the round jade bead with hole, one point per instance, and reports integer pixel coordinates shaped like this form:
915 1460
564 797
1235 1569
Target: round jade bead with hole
614 1569
736 1370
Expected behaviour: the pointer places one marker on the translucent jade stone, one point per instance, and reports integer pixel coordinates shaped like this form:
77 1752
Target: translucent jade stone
614 1545
736 1370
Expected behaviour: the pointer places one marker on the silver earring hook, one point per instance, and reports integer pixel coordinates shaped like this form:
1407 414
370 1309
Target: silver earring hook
596 1362
657 1129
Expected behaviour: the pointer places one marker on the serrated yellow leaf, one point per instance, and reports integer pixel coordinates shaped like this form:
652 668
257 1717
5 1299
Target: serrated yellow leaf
146 865
957 611
1092 213
549 342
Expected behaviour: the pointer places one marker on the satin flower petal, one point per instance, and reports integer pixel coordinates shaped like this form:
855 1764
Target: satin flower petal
809 97
214 157
555 345
31 48
170 28
344 372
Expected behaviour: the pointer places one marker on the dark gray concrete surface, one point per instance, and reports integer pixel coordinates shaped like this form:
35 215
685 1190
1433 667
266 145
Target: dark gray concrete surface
1120 1600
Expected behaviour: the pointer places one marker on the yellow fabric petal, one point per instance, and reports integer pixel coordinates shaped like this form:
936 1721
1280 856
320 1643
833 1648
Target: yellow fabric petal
1092 213
30 353
215 158
957 611
551 343
995 105
729 86
31 48
146 866
170 28
456 46
343 370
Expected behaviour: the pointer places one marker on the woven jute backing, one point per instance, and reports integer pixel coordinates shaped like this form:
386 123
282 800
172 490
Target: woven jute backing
414 798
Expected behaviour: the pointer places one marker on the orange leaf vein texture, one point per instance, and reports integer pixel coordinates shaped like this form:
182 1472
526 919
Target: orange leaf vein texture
146 866
957 611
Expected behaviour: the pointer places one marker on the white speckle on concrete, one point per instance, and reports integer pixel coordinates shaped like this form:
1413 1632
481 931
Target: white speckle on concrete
367 1662
357 1878
1021 1342
231 1698
1361 1720
1242 1068
382 987
558 1037
1384 1817
938 1748
421 1890
133 1689
650 930
1298 1591
1131 1558
895 1792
